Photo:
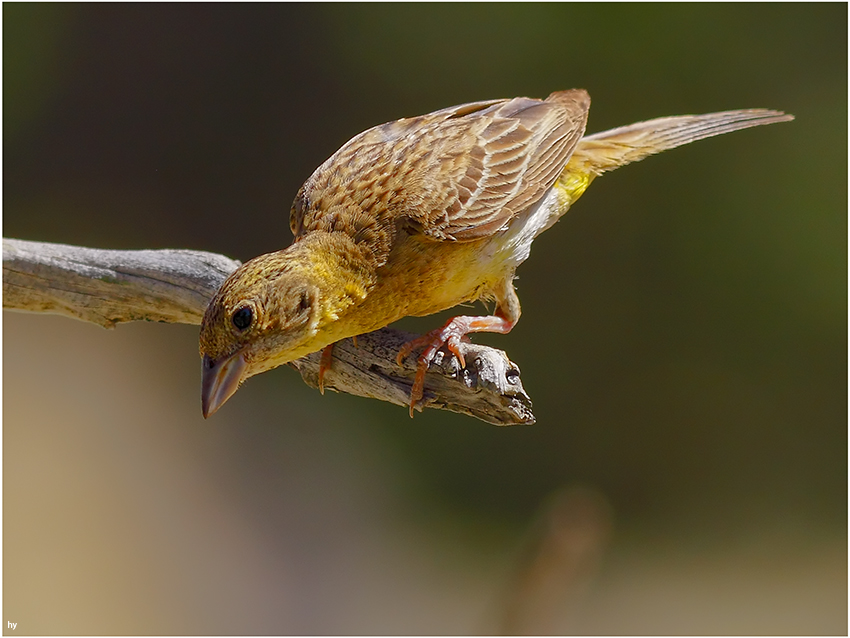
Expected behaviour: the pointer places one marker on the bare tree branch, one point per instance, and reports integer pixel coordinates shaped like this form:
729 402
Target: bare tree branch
108 287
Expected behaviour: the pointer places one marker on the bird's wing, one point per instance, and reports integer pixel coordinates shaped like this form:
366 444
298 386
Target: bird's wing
493 164
356 165
457 174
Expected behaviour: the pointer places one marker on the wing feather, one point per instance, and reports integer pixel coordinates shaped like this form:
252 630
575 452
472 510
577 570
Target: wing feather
457 174
526 144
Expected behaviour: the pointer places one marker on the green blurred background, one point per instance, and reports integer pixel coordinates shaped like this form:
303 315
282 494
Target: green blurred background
684 334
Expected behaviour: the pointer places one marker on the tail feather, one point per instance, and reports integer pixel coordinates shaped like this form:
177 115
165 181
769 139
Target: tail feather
601 152
611 149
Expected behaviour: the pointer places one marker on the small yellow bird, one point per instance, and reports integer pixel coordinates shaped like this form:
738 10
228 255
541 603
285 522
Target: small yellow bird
419 215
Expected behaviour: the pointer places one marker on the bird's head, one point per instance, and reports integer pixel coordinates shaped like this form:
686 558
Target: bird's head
264 315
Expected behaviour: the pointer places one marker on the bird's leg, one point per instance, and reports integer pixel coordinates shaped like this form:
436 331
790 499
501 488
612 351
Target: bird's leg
325 365
325 362
453 334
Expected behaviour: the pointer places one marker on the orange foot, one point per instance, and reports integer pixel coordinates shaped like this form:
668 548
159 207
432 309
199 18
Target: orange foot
450 335
325 362
325 365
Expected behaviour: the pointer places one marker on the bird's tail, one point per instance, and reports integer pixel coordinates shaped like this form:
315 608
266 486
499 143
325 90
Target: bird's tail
601 152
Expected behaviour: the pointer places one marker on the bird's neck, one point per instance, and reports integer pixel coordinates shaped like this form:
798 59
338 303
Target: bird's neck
343 271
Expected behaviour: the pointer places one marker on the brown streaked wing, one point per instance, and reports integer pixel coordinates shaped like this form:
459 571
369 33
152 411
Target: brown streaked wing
457 174
511 155
376 138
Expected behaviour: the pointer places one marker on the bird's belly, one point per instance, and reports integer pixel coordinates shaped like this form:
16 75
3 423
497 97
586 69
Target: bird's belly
423 276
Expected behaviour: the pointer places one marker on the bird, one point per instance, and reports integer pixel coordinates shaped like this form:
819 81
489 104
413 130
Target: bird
419 215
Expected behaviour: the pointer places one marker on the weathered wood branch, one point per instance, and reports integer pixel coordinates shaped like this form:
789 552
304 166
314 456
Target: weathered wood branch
108 287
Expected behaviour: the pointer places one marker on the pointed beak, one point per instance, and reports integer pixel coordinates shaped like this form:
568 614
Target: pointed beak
220 380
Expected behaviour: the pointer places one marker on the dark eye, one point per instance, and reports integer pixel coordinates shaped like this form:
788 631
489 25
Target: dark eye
242 318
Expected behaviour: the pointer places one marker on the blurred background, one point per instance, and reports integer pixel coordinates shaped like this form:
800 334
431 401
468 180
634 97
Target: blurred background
684 334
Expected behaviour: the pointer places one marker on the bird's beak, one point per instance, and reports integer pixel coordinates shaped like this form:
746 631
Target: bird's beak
220 380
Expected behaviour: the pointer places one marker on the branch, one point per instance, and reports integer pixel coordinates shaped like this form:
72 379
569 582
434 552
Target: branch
108 287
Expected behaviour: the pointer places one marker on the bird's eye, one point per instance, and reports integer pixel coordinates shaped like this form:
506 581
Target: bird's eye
242 318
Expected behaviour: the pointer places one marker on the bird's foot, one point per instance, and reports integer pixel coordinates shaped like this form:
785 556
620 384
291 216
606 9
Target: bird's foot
452 335
325 365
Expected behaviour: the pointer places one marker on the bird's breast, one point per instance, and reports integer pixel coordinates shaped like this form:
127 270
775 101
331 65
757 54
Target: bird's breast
423 276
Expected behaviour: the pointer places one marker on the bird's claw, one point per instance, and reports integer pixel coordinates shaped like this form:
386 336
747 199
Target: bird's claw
325 365
452 336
